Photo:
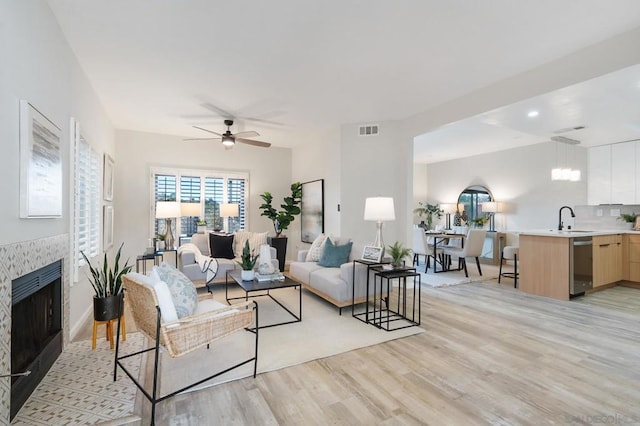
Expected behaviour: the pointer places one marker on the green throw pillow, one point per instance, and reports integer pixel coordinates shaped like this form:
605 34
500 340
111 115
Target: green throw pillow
333 255
183 292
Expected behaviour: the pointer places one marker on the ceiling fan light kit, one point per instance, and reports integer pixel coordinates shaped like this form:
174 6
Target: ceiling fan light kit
228 139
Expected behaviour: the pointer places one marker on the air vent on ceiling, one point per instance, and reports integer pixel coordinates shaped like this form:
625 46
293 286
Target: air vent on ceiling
368 130
568 129
566 140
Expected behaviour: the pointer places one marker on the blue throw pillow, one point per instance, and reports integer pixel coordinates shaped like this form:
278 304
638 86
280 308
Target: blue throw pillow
333 255
183 292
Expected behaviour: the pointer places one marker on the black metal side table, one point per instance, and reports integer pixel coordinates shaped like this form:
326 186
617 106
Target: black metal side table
157 258
369 264
388 317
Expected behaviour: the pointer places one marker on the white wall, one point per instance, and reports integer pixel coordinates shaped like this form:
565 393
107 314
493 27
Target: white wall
39 66
520 179
374 166
318 157
136 152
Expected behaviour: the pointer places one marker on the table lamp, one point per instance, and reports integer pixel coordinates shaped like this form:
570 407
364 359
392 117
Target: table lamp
229 210
379 209
491 207
168 210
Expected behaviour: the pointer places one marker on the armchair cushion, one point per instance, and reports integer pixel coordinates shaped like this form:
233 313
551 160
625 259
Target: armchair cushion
165 301
221 246
183 292
256 239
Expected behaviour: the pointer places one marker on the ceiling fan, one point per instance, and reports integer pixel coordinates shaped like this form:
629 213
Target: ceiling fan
229 139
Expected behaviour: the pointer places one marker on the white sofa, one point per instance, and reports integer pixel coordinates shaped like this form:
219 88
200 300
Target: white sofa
188 255
333 284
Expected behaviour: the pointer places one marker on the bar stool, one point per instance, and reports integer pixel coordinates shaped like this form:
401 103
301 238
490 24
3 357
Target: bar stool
509 252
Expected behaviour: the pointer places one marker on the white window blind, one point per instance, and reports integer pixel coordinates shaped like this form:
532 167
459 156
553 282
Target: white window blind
87 198
211 188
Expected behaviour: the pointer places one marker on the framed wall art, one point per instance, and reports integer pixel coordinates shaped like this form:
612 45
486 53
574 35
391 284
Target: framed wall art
107 178
40 165
312 210
107 232
372 254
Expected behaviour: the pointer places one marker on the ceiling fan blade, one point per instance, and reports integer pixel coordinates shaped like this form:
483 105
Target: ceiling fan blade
249 134
254 143
206 130
201 139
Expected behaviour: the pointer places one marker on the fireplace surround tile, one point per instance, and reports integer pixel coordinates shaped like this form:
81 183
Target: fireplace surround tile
17 259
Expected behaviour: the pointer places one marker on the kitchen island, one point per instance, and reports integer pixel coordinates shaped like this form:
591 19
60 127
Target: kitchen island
548 267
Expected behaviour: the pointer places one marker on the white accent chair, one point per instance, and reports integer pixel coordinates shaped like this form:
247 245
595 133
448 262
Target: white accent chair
509 252
472 248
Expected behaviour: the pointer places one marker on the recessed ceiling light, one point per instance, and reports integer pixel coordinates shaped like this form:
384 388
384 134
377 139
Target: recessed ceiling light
533 113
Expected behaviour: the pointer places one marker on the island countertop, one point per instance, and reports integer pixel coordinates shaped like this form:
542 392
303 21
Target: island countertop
576 233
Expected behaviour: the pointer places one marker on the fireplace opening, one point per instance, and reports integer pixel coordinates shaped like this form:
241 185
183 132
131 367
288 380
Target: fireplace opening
36 329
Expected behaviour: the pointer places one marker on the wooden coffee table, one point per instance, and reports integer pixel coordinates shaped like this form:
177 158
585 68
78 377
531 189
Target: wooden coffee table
264 288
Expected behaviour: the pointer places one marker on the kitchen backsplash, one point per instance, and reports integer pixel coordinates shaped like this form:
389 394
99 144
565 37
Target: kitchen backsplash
603 216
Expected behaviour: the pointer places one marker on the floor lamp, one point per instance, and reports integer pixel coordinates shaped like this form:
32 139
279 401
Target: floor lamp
168 210
379 209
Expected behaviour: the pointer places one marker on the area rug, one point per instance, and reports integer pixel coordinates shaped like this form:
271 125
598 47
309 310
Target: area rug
455 277
79 388
322 333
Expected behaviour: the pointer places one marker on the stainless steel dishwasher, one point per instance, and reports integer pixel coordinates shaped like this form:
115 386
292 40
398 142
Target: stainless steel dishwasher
581 272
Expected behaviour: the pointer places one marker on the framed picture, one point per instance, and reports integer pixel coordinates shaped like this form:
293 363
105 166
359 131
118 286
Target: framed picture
312 210
372 253
40 165
107 178
107 231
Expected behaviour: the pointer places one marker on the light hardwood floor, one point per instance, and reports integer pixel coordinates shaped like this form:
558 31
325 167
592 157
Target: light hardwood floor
490 355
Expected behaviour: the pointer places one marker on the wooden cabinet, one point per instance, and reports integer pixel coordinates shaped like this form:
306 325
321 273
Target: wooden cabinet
607 259
633 250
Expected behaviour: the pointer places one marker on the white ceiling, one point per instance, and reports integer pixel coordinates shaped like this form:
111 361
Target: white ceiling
608 107
286 66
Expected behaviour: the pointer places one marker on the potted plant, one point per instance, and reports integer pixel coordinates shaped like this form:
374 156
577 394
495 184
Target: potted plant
398 253
202 226
479 221
107 285
160 240
428 211
282 219
629 218
247 262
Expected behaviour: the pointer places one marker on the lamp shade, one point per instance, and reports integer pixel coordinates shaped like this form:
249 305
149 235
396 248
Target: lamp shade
379 209
490 207
229 210
167 209
190 209
448 207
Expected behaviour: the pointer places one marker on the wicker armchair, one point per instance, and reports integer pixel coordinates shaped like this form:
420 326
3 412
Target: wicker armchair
183 335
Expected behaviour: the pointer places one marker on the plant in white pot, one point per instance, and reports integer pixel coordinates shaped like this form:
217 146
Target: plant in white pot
201 226
247 263
107 285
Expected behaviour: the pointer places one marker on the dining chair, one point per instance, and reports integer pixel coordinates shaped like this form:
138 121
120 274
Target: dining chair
421 247
472 248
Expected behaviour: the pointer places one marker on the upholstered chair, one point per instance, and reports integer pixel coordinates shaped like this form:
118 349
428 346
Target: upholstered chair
473 244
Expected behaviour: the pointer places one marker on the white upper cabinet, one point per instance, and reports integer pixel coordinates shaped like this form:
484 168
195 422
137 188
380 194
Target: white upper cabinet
599 175
623 173
614 174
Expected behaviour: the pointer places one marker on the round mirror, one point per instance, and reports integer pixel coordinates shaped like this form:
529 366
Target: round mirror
470 200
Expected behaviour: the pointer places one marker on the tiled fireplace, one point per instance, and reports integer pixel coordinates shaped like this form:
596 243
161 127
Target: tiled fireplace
16 260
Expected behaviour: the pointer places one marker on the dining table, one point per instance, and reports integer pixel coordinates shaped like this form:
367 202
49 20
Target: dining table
440 238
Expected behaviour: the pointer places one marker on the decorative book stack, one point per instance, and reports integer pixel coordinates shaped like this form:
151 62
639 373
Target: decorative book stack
270 277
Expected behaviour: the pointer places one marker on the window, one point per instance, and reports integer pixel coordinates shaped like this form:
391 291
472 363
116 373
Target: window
87 199
210 188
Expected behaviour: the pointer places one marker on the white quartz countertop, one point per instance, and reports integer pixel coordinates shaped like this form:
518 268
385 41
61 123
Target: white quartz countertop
576 233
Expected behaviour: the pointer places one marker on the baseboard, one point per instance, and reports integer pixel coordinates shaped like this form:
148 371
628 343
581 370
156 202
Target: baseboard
75 329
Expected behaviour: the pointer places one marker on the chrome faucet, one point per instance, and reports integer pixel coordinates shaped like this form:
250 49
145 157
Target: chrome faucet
560 216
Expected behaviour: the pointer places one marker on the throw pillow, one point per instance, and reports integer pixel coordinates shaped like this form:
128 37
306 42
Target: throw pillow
221 246
165 301
333 255
183 292
256 239
316 249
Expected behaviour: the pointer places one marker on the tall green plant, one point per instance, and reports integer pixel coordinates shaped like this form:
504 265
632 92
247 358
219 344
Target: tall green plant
107 281
290 208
